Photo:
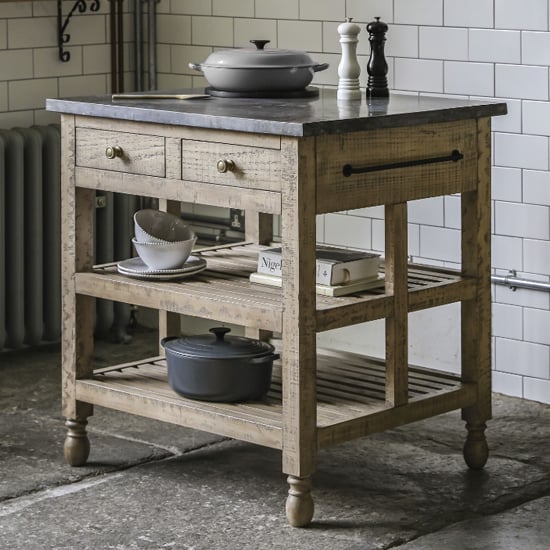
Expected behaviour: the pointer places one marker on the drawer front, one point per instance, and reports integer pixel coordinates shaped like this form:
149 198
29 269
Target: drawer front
424 148
131 153
229 164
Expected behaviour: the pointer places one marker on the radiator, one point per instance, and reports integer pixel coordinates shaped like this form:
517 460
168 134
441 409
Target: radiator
30 242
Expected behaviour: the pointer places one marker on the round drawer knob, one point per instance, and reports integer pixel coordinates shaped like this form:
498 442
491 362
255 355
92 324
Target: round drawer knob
225 165
113 151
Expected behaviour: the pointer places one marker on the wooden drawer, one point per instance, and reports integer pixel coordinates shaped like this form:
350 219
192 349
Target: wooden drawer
253 167
377 150
139 153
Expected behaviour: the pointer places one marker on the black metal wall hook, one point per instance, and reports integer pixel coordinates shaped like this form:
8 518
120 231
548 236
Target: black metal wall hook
62 37
348 169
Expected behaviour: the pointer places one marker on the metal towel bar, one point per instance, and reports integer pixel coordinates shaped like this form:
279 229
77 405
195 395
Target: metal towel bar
348 169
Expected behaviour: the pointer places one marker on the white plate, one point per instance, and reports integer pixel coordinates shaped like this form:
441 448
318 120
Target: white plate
160 277
134 267
137 266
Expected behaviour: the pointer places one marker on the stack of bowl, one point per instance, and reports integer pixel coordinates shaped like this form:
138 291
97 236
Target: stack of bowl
162 240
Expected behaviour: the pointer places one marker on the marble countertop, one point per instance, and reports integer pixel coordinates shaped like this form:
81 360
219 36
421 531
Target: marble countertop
289 117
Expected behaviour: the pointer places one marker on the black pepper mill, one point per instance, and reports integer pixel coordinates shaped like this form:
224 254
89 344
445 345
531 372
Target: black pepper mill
377 68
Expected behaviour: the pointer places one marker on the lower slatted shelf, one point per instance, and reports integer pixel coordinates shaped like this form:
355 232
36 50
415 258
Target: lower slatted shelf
350 399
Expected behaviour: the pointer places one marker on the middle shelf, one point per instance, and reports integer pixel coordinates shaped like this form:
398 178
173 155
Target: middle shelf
224 293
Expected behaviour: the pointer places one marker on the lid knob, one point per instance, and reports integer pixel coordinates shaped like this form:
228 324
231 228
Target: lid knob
220 332
260 44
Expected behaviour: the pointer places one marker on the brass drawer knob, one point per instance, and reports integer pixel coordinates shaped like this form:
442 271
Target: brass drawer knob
113 151
225 165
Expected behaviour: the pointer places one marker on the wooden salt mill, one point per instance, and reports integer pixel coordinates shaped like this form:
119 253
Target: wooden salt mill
377 68
348 69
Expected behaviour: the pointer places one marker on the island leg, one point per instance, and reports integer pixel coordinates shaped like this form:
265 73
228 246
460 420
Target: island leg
299 359
77 445
299 503
476 312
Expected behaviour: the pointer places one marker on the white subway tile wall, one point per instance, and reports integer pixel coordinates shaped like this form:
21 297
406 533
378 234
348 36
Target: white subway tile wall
533 14
233 8
418 12
468 13
3 96
521 81
536 187
507 321
494 46
535 48
495 50
29 59
443 43
466 77
512 122
322 10
507 252
506 184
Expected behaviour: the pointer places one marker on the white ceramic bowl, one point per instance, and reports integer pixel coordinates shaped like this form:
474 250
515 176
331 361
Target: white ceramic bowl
164 255
160 227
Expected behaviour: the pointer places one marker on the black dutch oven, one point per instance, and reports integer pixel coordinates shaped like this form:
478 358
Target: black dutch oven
216 367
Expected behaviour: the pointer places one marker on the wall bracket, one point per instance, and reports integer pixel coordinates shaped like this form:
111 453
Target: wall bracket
63 37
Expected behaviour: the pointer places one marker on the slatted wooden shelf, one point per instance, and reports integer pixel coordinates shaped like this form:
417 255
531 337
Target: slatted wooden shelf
350 399
224 293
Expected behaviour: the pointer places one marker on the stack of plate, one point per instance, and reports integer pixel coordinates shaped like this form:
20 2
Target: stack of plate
135 267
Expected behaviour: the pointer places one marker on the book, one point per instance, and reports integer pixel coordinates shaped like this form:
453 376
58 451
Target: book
334 266
360 285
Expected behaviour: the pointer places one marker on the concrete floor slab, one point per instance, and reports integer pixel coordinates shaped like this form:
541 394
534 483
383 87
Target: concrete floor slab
525 527
153 485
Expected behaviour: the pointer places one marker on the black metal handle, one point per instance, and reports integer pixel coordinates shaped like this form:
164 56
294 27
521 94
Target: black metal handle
348 169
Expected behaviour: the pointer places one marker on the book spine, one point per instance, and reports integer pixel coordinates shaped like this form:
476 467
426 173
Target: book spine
330 273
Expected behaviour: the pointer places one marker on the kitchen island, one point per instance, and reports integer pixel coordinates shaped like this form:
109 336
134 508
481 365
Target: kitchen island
296 158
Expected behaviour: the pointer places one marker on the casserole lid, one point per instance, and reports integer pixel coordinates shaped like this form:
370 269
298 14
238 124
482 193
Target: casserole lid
258 58
217 346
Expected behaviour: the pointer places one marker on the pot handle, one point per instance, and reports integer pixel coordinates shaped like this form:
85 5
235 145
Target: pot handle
167 339
195 67
265 359
320 67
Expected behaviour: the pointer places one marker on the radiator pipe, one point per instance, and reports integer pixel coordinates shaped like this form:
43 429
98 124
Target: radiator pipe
120 45
152 28
112 29
138 46
513 282
117 45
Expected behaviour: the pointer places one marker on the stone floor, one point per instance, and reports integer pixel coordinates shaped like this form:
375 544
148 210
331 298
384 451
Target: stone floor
151 485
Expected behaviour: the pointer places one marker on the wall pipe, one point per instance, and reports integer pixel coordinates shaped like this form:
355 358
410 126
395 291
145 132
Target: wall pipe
513 282
152 44
138 46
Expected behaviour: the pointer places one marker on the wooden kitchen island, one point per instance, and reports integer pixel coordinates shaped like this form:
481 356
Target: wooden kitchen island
295 158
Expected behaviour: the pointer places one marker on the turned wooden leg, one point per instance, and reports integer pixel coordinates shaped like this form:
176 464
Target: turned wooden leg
77 444
299 503
475 449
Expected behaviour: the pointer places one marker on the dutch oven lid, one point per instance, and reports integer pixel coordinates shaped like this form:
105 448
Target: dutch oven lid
258 58
218 346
